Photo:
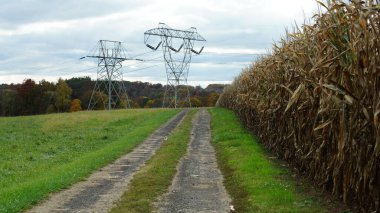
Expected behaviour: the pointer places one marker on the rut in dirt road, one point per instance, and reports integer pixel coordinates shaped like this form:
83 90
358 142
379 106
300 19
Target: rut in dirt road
198 184
100 191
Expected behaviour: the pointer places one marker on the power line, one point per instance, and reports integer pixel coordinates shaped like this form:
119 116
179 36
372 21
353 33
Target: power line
144 60
235 53
143 68
143 54
33 69
197 62
86 69
155 59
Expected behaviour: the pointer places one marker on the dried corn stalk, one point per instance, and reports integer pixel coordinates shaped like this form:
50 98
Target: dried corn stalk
316 101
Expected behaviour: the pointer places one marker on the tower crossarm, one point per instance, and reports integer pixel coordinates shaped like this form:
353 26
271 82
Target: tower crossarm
109 57
173 33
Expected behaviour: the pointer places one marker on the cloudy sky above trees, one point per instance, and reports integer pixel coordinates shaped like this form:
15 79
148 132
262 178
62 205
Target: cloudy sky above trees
44 39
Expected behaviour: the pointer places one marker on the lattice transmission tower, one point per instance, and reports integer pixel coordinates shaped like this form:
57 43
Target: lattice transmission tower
177 60
109 89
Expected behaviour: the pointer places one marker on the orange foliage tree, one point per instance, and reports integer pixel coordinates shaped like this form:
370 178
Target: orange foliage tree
75 105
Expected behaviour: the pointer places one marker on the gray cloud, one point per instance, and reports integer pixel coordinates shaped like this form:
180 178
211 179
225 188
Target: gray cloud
45 39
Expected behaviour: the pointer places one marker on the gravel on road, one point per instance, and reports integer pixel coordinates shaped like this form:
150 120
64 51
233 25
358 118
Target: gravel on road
198 184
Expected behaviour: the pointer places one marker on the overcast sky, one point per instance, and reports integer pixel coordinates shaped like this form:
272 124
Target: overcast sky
44 39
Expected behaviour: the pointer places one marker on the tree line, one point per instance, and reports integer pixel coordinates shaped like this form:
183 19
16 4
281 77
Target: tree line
70 95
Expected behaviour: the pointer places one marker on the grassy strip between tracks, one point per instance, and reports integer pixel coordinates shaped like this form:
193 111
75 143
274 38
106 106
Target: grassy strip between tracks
46 153
255 182
156 176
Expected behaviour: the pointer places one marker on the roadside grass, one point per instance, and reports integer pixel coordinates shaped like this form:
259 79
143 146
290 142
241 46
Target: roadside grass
153 179
254 181
46 153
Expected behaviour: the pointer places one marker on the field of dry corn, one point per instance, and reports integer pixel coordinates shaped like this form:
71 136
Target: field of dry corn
315 101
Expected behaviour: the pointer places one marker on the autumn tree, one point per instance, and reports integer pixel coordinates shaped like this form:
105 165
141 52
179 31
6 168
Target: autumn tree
135 105
102 100
123 102
149 104
212 99
62 96
75 105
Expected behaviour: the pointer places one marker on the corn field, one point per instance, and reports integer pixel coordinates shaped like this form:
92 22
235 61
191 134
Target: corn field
315 101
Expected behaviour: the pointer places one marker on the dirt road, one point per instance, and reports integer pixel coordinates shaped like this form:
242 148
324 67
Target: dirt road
198 184
100 191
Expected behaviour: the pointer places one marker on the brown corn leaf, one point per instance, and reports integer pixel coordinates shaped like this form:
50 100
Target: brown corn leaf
366 114
295 96
321 3
341 90
287 88
349 99
376 118
321 126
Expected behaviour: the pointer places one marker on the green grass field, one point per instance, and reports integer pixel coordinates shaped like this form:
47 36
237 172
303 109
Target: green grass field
156 176
45 153
255 182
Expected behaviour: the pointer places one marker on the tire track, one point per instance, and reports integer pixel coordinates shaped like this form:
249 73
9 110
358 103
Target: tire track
104 187
198 184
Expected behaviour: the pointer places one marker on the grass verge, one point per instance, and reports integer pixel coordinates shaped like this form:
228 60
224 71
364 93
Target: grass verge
46 153
156 176
255 182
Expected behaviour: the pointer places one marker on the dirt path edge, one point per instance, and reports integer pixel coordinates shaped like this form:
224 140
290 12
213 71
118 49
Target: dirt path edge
101 190
198 183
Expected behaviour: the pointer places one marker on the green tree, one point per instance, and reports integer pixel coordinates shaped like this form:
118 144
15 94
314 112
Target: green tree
142 101
26 97
45 97
62 96
50 109
7 101
195 102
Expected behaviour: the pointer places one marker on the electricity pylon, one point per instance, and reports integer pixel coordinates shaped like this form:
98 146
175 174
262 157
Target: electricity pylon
109 88
177 60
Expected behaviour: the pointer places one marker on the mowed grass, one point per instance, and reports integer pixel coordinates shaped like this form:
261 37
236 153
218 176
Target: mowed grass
255 183
156 176
45 153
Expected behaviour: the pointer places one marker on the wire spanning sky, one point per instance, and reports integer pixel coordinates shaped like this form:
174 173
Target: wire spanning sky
44 39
